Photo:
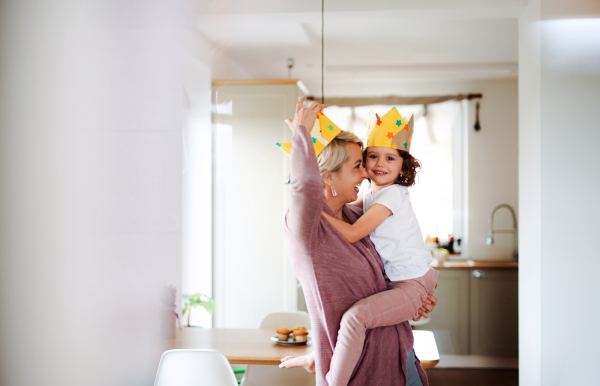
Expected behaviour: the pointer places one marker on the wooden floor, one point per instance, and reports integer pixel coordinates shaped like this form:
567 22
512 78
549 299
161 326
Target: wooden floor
472 377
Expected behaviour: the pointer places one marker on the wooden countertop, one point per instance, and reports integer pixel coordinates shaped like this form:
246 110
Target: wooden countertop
253 82
474 264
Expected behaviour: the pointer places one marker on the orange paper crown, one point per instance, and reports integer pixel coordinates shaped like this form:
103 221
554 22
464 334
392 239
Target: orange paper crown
323 132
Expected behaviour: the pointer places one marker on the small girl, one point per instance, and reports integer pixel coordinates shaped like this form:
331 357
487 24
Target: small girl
390 221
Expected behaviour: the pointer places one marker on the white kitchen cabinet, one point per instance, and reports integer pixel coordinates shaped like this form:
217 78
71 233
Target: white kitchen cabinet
477 312
450 319
252 273
494 313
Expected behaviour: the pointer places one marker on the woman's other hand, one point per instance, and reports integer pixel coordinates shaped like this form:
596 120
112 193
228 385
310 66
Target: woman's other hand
426 307
305 116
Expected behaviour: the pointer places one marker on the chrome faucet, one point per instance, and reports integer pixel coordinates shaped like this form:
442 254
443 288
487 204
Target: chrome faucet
515 231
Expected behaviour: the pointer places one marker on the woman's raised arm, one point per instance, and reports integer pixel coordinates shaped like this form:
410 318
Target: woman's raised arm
307 196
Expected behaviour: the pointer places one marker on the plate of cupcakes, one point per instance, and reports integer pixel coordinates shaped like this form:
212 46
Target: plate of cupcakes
297 336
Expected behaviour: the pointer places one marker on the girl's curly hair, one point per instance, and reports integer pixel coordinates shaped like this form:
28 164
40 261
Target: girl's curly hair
410 167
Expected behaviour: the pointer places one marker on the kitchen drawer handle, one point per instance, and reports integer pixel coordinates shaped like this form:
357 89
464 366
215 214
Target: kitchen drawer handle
477 274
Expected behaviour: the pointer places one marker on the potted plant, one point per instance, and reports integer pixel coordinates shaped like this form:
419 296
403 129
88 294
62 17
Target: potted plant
195 300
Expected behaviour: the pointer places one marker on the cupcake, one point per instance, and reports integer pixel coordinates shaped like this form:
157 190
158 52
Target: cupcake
300 335
283 333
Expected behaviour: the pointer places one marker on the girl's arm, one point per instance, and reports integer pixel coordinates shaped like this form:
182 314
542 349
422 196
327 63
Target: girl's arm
358 202
366 224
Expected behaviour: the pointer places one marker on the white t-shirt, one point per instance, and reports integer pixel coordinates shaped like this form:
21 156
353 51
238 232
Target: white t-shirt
398 238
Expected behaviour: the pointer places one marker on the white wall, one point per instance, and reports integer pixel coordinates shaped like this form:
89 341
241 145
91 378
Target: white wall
493 169
530 224
570 79
90 204
560 181
197 177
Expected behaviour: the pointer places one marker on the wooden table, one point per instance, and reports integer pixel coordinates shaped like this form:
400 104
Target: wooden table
253 346
426 348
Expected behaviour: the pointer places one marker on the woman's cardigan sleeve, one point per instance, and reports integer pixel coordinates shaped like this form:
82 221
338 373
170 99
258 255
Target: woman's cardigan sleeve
307 196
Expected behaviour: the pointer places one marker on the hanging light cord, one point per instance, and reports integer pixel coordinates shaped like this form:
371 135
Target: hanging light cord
322 51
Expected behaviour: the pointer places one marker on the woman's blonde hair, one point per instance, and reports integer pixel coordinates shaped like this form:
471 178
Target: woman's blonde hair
335 154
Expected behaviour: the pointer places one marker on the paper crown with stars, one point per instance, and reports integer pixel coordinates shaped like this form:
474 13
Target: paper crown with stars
323 132
391 130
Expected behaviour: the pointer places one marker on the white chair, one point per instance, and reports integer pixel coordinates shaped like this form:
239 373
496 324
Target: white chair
258 375
194 368
289 319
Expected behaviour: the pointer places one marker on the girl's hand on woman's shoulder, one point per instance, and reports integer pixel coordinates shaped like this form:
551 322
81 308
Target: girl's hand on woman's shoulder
305 116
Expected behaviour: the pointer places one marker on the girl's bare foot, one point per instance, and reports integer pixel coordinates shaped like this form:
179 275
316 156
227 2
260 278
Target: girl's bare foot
305 361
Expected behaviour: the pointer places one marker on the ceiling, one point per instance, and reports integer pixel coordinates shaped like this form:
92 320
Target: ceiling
367 44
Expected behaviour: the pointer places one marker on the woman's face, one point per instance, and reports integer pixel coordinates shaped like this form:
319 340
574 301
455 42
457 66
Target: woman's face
350 176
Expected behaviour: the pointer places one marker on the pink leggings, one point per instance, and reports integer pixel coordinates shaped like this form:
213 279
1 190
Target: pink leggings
401 302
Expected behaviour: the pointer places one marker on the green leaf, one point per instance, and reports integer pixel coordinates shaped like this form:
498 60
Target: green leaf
198 299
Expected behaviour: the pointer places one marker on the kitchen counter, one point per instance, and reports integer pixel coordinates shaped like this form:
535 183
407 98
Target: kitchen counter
474 264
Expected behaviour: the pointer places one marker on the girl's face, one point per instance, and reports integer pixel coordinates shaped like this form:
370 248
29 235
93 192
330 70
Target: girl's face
350 176
384 165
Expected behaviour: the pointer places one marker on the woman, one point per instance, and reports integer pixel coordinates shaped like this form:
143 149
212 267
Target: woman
334 273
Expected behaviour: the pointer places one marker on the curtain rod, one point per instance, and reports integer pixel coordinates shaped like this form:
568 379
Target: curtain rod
395 100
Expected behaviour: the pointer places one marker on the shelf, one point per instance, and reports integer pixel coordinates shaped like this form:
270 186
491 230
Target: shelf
474 264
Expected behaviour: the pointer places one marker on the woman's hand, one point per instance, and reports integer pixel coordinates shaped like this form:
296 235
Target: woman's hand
305 116
426 308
